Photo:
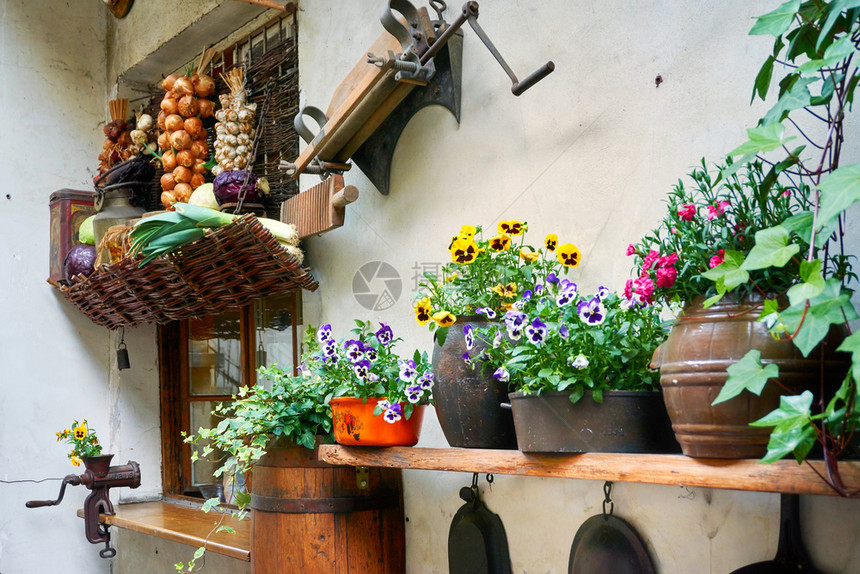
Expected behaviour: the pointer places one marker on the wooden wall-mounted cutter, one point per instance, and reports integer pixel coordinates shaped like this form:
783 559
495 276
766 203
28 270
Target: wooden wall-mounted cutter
370 107
320 208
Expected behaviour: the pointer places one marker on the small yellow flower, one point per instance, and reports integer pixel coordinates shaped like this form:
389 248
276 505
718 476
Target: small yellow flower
423 310
529 256
551 242
75 460
512 227
509 290
507 307
501 242
467 231
463 250
451 277
568 255
444 318
80 432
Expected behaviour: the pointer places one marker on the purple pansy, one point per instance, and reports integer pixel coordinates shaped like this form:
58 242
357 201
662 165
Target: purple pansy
371 354
426 381
393 413
592 311
486 311
536 331
527 294
567 293
468 336
384 335
361 369
515 333
578 362
324 333
497 340
467 357
408 371
329 348
564 332
515 319
552 278
354 352
602 292
502 375
414 393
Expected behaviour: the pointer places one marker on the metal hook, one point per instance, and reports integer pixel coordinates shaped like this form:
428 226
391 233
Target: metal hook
474 480
607 490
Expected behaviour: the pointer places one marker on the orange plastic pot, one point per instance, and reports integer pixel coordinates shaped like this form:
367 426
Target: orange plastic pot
355 425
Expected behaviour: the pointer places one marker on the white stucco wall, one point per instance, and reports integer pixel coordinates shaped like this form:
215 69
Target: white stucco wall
589 154
54 361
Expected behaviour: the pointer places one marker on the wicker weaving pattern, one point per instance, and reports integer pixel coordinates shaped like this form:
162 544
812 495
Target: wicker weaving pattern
228 268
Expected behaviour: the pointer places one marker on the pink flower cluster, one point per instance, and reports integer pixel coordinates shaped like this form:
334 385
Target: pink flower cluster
718 258
687 212
717 210
642 288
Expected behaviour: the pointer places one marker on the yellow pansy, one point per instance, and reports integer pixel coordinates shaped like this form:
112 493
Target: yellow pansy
529 255
467 231
512 227
568 255
463 250
451 277
551 242
423 310
501 242
75 460
80 432
509 290
444 318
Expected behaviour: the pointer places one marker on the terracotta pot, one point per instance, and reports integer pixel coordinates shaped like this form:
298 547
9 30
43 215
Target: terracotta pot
355 424
468 401
702 344
626 421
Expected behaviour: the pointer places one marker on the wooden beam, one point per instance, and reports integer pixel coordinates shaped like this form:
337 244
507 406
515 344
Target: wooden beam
782 476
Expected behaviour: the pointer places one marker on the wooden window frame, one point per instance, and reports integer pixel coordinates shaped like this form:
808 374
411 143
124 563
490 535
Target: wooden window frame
175 397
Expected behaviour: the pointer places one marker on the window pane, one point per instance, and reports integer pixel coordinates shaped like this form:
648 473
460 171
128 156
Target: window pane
202 470
273 340
215 357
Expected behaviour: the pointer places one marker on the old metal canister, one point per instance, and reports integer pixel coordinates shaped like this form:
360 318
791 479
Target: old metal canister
116 209
69 208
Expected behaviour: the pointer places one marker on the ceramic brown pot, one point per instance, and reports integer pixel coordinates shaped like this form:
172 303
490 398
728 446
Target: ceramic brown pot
702 344
468 401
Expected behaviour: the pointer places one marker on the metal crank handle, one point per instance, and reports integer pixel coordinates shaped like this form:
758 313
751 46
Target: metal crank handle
72 479
520 87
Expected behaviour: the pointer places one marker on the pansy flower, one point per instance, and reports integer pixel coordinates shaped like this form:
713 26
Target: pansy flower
324 333
529 256
551 242
578 362
383 404
515 318
423 310
563 332
536 331
508 291
501 242
407 370
444 318
515 333
384 335
502 375
370 354
414 393
527 294
425 381
329 348
511 227
567 293
361 369
602 292
80 432
393 413
468 337
467 358
464 250
354 352
592 311
552 278
467 231
497 339
568 255
486 311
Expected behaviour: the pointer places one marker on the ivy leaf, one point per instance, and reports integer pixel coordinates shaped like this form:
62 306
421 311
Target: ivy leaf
794 99
851 344
227 529
831 306
812 285
839 191
210 504
793 430
771 249
749 374
762 80
728 274
242 499
762 138
776 22
834 54
834 10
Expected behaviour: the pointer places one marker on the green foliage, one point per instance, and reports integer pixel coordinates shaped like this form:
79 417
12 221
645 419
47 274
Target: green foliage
83 440
749 374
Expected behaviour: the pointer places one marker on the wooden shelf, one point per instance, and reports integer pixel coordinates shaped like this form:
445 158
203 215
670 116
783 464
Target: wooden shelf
782 476
185 524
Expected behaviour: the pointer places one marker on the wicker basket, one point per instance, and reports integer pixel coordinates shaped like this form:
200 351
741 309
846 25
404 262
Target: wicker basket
228 268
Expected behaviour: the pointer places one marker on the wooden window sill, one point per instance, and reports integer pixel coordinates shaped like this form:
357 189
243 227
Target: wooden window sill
183 523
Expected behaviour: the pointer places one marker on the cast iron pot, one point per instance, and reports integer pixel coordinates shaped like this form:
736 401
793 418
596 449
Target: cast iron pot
468 401
626 421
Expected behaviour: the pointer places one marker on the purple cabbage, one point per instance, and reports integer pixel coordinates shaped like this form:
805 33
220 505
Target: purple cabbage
80 259
228 184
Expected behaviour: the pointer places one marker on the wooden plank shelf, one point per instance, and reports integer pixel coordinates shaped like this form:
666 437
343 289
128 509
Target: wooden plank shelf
185 524
678 470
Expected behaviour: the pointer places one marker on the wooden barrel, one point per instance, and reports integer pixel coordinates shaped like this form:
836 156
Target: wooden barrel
311 517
